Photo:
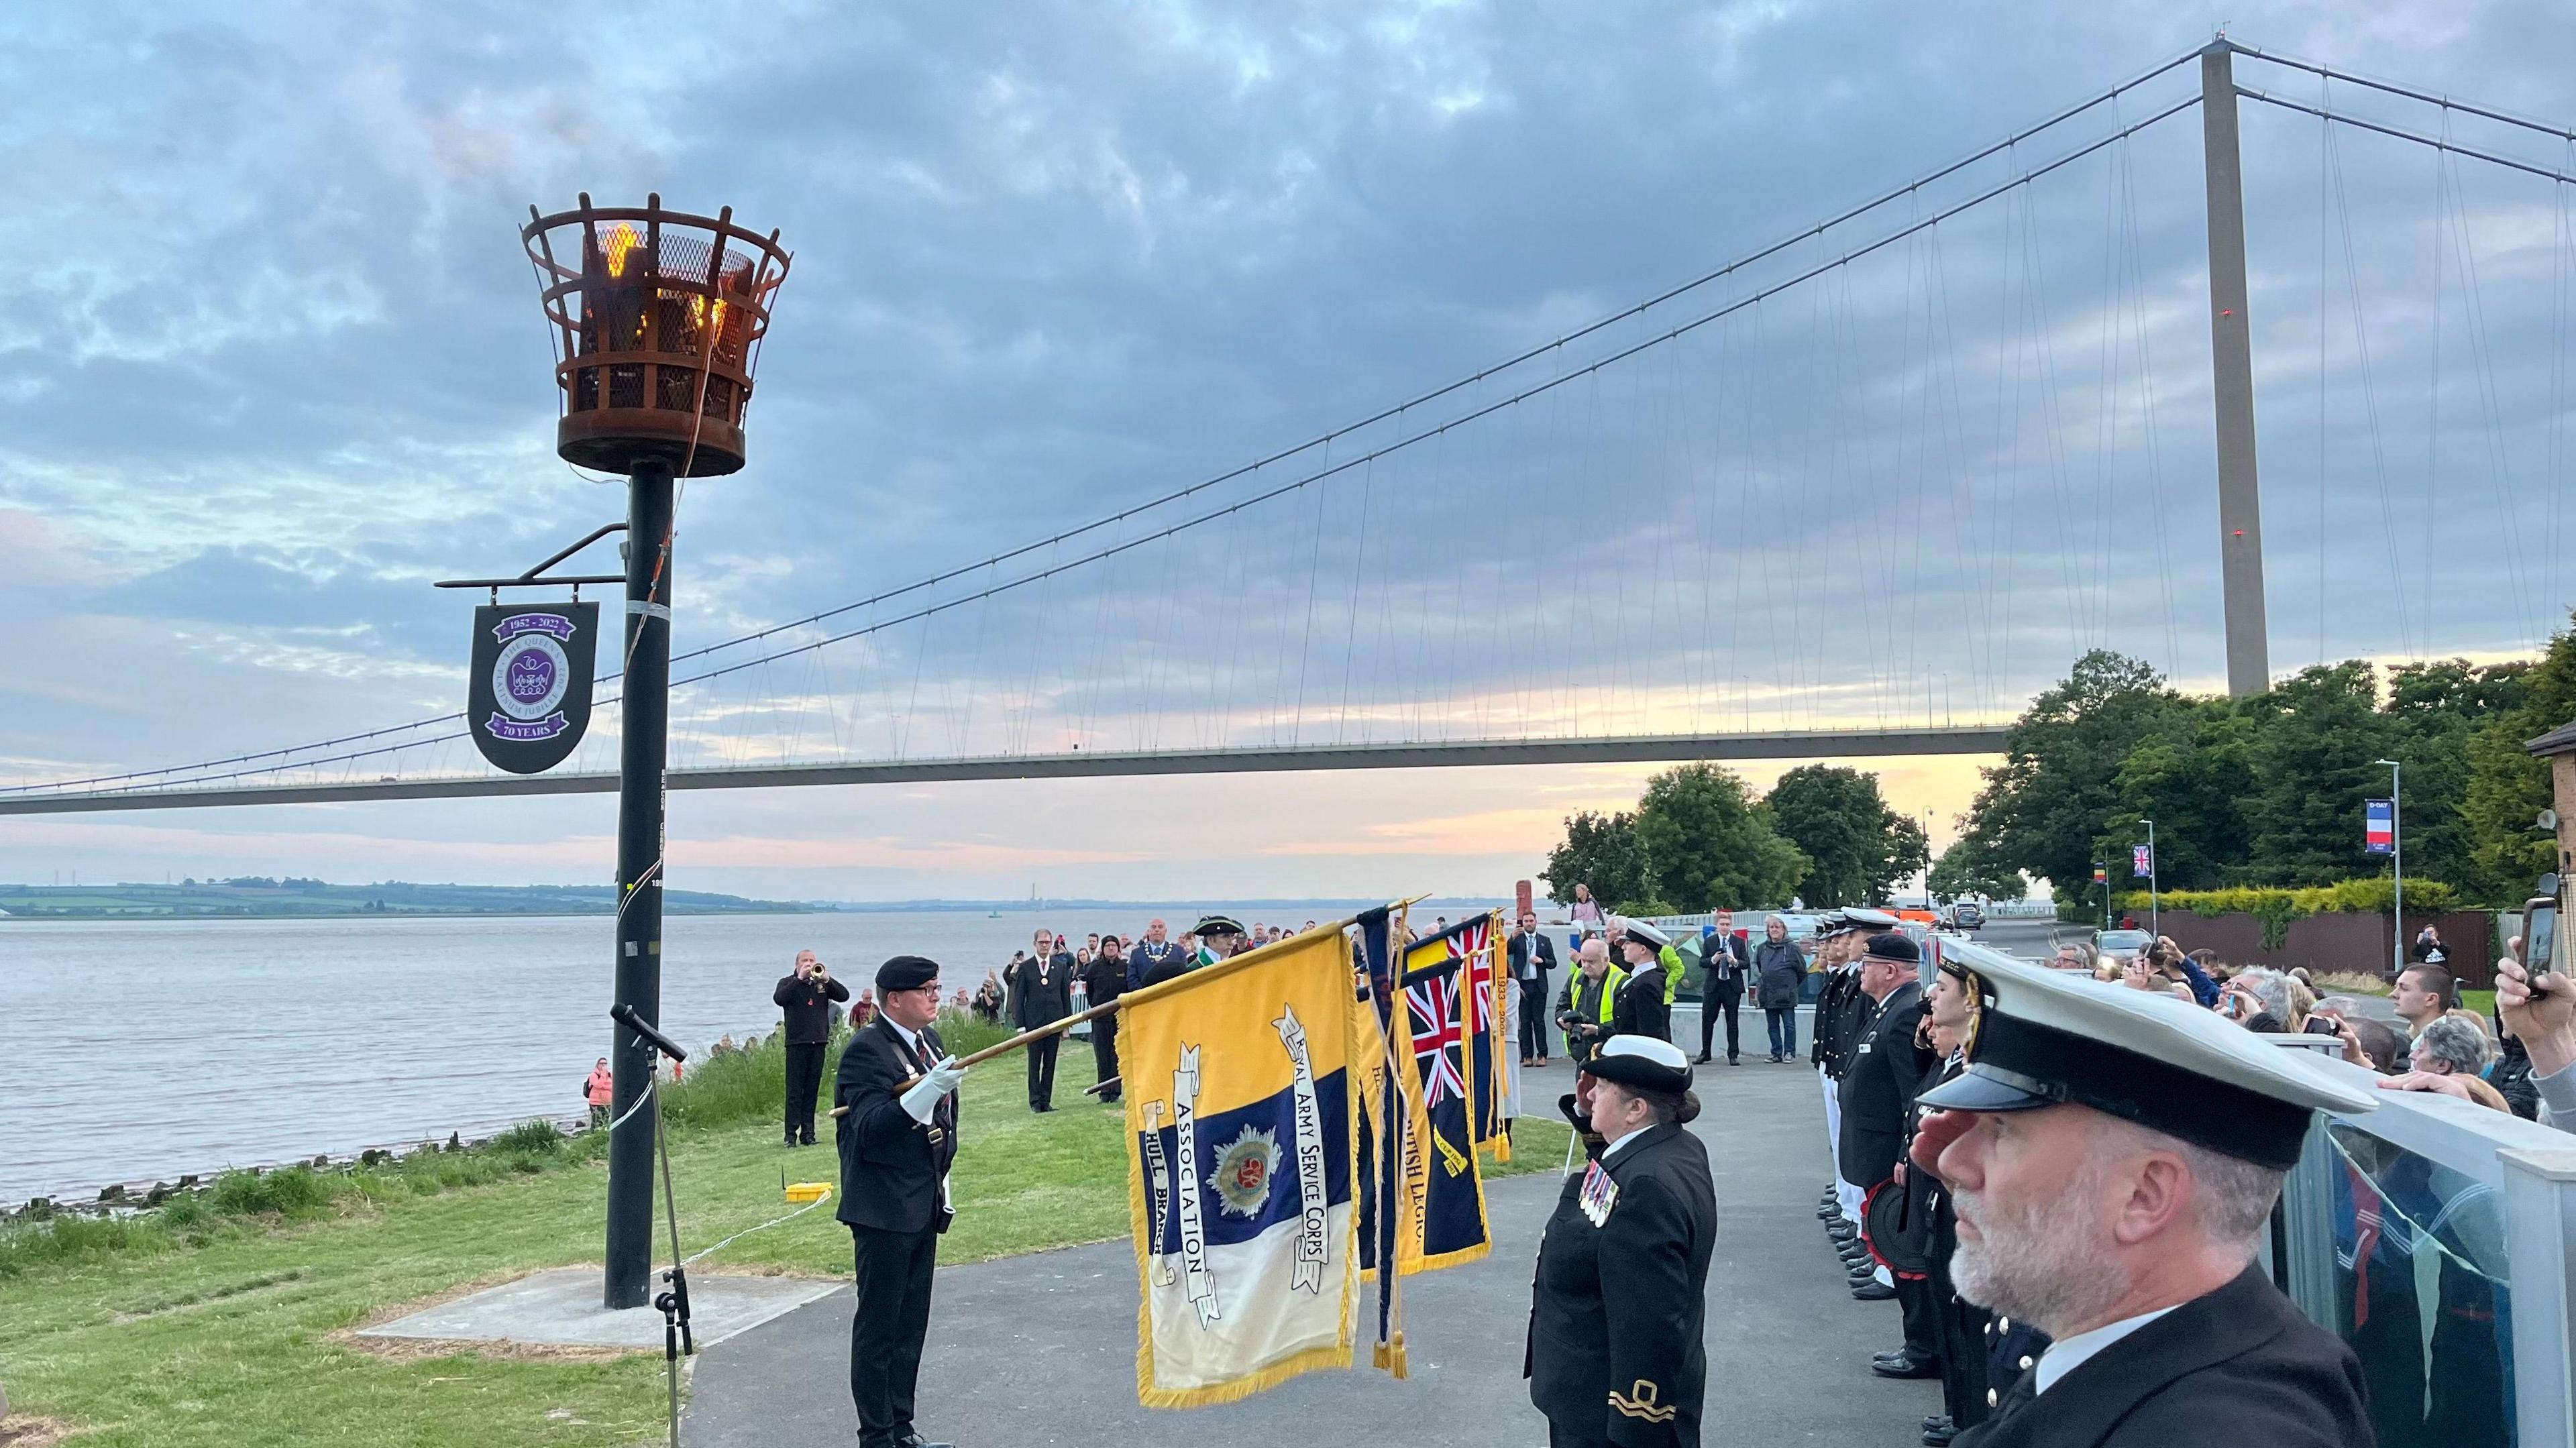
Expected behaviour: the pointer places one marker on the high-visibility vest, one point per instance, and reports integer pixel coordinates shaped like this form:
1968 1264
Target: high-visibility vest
1672 963
1597 1005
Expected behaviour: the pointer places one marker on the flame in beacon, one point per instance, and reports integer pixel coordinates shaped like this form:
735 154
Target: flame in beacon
621 241
701 316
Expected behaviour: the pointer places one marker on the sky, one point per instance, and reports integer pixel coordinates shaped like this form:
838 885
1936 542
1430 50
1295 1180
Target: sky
271 362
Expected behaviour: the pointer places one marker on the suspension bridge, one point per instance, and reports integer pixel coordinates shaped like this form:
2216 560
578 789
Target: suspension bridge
1856 492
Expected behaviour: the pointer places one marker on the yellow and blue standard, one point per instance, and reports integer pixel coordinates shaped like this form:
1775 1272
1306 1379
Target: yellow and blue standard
1241 1129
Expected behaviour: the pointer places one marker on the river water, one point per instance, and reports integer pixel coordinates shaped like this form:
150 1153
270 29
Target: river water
136 1050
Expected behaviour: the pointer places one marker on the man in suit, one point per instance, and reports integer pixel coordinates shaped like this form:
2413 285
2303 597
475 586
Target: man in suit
896 1100
1041 994
1148 958
1619 1308
805 998
2114 1158
1884 1071
1724 963
1532 957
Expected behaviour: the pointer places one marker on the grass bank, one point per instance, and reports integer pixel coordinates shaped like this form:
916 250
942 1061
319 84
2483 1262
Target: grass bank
221 1320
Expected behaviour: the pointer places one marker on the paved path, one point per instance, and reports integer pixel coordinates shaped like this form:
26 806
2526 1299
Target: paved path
1041 1349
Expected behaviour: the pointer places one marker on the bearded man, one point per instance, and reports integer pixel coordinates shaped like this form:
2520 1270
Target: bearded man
2113 1158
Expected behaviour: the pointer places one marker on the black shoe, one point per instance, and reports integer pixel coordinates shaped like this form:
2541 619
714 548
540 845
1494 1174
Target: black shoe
1827 1211
1907 1366
1938 1423
1733 1062
913 1440
1858 1257
1874 1290
808 1141
1841 1230
1701 1059
1939 1437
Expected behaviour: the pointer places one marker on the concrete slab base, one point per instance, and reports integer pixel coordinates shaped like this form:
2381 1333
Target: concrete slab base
560 1308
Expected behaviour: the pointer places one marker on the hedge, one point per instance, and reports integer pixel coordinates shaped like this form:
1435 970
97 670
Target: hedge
2277 906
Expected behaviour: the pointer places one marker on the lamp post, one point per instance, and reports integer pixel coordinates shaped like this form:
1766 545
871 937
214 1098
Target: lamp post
2397 868
658 317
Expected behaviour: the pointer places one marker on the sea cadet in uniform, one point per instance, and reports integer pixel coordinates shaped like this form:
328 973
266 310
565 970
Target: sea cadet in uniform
1619 1306
896 1141
2113 1158
1644 1006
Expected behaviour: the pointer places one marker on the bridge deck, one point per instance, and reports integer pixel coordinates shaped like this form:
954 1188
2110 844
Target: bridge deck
1041 1349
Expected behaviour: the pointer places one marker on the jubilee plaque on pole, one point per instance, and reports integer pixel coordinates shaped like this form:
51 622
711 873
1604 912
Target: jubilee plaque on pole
528 695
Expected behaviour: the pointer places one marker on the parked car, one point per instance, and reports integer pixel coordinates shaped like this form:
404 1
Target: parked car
2119 947
1967 915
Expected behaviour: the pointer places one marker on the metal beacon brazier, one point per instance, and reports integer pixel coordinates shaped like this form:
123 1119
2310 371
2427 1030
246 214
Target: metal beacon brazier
528 691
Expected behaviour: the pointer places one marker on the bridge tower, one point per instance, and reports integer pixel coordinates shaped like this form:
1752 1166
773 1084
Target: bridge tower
2240 503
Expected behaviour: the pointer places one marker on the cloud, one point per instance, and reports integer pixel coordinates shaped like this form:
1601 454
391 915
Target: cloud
273 363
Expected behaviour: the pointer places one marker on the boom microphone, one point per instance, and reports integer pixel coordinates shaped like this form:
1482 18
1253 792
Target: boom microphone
625 1016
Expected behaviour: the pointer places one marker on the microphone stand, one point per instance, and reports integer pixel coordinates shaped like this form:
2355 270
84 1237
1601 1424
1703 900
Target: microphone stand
673 1300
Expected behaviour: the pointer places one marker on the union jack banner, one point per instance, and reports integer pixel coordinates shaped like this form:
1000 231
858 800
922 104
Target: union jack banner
1438 1037
1444 1188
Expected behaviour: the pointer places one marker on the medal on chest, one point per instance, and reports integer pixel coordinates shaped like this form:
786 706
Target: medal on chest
1600 1193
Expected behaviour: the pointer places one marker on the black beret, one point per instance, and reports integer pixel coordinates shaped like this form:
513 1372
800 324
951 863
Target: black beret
907 972
1895 947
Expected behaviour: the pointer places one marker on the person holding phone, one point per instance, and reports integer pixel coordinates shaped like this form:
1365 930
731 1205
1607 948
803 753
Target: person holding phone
2538 1004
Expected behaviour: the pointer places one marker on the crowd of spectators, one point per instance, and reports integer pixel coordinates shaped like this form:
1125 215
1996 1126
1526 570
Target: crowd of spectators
2434 1044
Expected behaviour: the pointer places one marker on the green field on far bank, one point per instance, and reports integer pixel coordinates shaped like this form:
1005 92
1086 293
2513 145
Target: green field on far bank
232 1329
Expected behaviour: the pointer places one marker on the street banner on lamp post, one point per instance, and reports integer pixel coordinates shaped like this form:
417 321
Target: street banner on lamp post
2379 827
2142 860
528 699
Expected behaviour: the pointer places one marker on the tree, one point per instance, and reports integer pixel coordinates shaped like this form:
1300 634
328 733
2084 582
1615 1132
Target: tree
2316 738
1603 852
2507 788
1709 846
2440 708
1857 848
2044 808
1908 853
1969 868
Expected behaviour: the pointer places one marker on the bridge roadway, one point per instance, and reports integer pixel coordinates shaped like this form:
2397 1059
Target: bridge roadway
1042 1348
1606 749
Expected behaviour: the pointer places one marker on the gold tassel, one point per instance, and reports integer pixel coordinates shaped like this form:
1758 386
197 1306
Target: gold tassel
1502 1144
1396 1359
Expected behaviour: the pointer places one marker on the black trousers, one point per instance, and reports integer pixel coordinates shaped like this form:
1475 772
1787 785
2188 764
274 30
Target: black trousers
804 1079
1726 998
1533 1020
1914 1298
1963 1351
887 1330
1041 1056
1104 1053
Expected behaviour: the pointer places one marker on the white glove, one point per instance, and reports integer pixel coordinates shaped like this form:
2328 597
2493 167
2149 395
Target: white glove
923 1097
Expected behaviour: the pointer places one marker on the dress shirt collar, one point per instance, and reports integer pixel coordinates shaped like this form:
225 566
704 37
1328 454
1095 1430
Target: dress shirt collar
910 1038
2069 1353
1614 1148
